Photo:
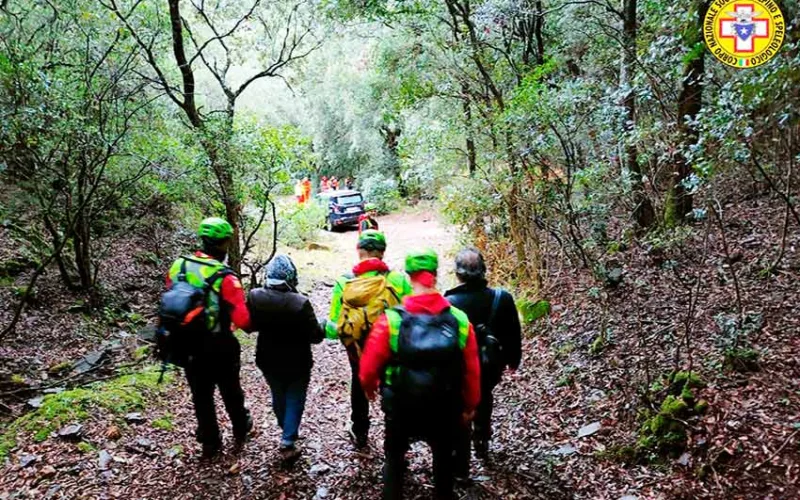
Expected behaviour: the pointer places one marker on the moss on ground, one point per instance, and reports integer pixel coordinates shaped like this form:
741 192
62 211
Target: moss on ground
665 430
121 395
164 422
245 339
85 447
142 352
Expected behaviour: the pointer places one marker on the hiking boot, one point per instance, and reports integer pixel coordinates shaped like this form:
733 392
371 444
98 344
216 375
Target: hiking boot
463 480
359 440
481 449
242 438
289 455
211 450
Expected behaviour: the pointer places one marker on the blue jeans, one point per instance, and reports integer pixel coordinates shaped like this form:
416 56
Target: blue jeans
288 403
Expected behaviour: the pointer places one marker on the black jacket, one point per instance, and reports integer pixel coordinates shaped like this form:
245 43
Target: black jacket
475 299
286 326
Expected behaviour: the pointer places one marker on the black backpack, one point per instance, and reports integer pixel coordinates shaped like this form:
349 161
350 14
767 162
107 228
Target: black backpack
428 360
492 359
183 316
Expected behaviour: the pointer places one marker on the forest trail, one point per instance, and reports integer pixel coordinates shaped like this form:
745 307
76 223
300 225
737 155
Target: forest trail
148 462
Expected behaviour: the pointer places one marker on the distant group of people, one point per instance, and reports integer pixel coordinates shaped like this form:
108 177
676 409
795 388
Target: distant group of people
302 190
333 184
434 358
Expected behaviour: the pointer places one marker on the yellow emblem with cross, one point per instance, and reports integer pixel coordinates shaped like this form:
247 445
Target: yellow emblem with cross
744 33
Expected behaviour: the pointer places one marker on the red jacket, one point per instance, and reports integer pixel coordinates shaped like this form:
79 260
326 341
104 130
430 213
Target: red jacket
377 351
232 294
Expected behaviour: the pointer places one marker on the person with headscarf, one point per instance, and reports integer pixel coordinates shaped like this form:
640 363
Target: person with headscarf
497 326
286 326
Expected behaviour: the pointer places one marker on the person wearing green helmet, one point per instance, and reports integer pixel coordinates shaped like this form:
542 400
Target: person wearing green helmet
424 357
212 357
359 298
368 220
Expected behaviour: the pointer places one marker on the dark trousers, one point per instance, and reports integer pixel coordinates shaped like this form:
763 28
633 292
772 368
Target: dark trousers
288 403
479 430
359 404
482 424
217 366
440 432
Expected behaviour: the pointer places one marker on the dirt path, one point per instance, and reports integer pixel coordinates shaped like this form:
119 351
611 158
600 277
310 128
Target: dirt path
330 467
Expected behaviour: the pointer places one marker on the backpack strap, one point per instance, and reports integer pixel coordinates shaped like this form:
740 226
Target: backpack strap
497 293
463 325
209 284
394 317
182 273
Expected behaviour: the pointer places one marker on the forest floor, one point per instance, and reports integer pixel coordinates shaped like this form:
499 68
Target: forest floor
556 421
155 456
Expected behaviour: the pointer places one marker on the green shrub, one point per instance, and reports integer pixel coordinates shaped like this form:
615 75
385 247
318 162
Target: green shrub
382 192
299 224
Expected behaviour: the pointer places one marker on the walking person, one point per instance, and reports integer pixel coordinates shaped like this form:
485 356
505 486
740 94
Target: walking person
204 302
286 326
494 314
359 298
368 220
426 356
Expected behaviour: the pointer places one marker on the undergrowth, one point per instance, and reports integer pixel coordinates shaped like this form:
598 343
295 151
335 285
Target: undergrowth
123 394
665 431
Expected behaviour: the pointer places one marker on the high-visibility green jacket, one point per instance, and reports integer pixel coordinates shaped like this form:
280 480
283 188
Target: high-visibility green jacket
371 267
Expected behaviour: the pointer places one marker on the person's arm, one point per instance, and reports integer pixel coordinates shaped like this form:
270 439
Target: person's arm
310 324
376 355
331 330
511 330
471 382
232 294
174 269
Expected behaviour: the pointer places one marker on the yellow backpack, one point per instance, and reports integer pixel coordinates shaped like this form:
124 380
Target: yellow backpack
363 301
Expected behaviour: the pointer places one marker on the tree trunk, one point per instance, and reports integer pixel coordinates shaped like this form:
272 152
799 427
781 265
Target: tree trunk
218 155
83 252
391 138
472 162
643 211
690 102
537 32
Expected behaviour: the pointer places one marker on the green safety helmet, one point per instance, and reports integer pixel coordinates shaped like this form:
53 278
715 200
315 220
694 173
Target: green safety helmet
423 260
214 228
372 239
370 207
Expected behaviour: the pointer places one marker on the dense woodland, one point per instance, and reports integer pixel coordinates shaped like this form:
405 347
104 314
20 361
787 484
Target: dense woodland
637 196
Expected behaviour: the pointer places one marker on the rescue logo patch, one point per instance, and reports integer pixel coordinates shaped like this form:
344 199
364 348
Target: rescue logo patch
744 33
